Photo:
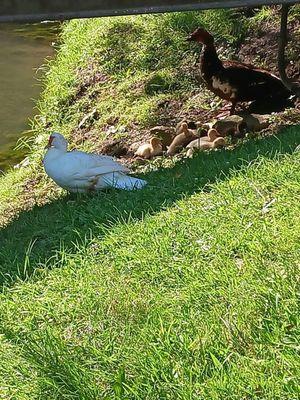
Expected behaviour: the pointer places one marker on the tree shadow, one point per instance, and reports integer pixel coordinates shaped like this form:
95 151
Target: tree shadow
30 241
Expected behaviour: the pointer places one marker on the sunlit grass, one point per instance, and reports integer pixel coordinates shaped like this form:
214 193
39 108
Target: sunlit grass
122 67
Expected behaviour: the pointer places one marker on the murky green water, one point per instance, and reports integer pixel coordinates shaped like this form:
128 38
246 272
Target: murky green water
23 50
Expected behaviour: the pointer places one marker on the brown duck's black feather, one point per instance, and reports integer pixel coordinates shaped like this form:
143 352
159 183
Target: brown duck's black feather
253 84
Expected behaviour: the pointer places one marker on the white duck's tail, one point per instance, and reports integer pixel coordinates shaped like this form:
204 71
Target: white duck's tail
119 180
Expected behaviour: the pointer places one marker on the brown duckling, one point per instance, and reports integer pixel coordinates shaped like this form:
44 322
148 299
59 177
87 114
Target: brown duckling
184 136
212 141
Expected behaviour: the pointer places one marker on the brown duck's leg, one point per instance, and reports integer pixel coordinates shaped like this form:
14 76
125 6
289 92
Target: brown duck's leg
232 110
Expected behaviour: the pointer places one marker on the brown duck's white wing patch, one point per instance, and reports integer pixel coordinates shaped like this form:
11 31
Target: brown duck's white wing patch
224 86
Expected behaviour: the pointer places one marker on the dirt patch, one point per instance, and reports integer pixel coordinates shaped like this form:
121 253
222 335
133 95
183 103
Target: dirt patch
88 77
261 47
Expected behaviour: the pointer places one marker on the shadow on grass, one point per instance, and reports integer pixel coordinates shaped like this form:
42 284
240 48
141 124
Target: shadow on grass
28 242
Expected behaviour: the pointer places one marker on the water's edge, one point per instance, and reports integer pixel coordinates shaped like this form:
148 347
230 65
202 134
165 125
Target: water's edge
23 50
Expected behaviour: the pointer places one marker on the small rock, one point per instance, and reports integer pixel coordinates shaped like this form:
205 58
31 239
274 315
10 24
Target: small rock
256 122
164 133
232 125
114 148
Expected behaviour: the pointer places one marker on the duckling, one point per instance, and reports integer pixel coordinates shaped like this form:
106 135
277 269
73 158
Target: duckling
212 134
211 141
149 150
204 142
184 136
190 124
218 143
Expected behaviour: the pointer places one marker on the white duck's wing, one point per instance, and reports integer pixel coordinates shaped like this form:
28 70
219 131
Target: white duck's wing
87 166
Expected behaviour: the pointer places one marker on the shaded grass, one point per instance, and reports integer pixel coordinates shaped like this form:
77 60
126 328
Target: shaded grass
64 221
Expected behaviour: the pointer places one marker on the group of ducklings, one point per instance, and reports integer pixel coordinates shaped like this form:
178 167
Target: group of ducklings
173 140
192 141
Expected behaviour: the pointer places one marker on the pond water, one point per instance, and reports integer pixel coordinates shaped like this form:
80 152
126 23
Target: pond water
23 50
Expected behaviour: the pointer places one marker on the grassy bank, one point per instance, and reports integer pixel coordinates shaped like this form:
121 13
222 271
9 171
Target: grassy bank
188 289
124 79
121 84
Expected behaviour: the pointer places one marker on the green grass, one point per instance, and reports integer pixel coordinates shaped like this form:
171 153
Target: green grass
136 61
71 215
187 289
123 77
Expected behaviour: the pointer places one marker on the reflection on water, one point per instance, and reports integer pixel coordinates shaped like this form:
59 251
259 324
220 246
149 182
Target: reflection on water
23 49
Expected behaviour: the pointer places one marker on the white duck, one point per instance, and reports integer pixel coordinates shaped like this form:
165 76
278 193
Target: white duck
77 171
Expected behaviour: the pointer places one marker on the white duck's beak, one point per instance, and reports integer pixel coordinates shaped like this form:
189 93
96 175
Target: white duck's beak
49 144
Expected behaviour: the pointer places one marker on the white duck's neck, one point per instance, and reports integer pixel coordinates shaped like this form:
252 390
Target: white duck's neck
59 144
61 147
55 152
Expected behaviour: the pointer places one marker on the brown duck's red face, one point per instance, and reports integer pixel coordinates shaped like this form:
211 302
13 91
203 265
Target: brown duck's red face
50 140
202 36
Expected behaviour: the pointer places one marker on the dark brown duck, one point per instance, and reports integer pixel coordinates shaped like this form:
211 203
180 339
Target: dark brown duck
235 81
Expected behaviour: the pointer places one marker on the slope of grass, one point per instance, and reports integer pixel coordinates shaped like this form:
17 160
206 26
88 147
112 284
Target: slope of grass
199 300
120 68
38 234
188 289
121 72
144 56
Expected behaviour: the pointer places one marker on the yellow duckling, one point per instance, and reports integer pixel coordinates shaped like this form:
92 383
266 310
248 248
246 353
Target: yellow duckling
211 141
184 136
151 149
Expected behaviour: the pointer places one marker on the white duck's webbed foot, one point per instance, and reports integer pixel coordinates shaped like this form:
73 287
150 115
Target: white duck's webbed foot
92 184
